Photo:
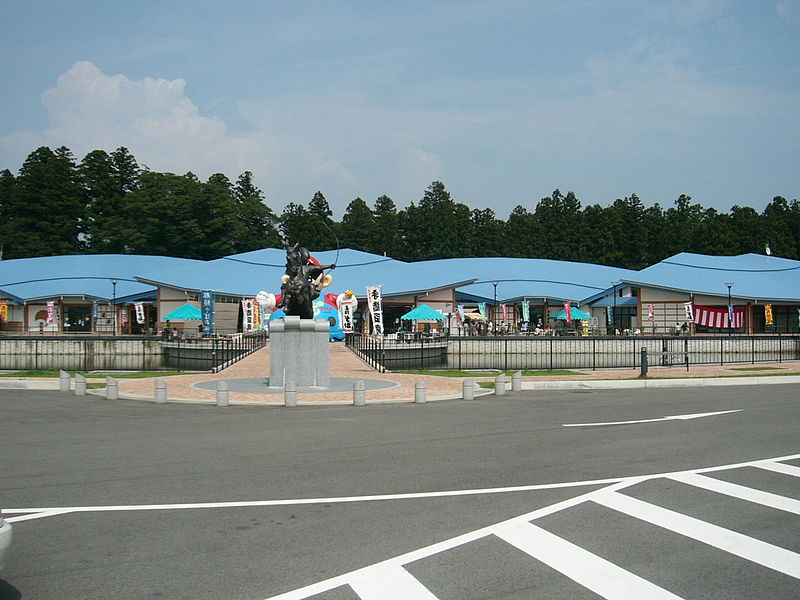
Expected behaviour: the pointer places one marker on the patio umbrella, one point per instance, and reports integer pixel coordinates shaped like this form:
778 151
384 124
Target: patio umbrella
187 312
423 312
576 313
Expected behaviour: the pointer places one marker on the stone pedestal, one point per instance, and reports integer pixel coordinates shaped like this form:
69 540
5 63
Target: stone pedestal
298 352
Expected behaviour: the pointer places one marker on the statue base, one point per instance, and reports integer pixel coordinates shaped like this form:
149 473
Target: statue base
298 352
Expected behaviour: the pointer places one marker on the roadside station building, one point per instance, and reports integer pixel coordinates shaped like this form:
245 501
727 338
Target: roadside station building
130 294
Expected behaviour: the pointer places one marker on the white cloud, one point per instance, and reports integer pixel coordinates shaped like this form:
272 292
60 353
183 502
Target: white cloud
153 118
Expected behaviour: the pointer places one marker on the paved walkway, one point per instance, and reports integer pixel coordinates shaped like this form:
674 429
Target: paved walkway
343 363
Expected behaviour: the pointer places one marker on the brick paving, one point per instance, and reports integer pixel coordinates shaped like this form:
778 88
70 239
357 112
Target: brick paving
344 363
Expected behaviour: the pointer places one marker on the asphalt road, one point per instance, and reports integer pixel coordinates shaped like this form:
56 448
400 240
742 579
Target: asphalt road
137 480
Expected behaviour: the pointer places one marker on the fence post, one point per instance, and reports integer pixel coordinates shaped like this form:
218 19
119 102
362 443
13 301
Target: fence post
112 389
290 394
516 382
468 389
161 392
80 385
64 383
500 385
420 392
222 393
359 393
644 365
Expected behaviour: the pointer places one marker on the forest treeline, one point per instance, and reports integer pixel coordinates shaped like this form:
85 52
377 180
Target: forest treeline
108 203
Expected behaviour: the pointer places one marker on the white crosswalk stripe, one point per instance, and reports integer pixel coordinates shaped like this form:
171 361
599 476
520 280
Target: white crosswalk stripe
390 580
754 550
779 467
740 491
589 570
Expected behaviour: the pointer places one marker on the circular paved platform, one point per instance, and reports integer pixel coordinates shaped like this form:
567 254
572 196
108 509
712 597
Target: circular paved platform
260 385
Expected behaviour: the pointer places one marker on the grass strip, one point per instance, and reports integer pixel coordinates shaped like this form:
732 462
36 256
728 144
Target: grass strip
456 373
51 373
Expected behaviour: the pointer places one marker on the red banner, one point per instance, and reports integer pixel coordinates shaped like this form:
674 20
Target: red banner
717 317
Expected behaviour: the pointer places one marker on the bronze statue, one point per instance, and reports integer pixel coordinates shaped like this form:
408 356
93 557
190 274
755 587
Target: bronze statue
304 280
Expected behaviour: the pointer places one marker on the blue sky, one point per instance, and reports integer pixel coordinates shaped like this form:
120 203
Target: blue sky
503 101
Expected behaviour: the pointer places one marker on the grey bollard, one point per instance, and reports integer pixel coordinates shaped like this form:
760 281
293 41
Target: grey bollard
80 385
112 389
468 389
359 393
161 392
64 381
516 382
420 392
222 393
644 365
500 385
290 394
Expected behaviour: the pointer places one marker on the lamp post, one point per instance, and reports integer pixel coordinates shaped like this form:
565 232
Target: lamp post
114 304
730 309
494 307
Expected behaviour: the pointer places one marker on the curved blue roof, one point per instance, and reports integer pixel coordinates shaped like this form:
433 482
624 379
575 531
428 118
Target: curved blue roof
754 276
248 273
84 275
529 278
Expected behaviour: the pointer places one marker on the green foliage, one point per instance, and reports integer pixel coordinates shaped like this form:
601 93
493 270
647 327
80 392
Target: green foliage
108 204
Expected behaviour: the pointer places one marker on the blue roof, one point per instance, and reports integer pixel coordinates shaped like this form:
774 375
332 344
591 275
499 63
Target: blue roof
248 273
754 276
85 275
528 278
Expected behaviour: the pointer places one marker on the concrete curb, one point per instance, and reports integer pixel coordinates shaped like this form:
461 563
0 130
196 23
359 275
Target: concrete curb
621 384
606 384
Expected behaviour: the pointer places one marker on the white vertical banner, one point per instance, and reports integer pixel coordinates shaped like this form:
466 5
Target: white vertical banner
348 303
248 316
51 309
375 308
139 308
689 309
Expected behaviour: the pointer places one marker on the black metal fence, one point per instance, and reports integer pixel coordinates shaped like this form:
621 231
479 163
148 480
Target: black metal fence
126 353
552 352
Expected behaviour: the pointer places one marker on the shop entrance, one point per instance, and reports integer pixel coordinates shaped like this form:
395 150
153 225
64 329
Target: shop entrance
77 318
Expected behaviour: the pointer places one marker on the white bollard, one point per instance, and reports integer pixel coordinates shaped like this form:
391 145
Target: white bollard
112 389
222 393
516 382
420 392
161 392
468 389
80 385
359 393
500 385
64 381
290 394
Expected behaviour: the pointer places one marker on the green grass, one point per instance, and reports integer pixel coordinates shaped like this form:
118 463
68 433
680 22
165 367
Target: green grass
483 373
116 375
755 369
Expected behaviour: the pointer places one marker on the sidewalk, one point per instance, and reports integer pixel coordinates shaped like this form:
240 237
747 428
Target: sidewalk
343 363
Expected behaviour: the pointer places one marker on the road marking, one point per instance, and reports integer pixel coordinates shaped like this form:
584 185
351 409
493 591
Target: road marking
589 570
375 570
773 557
777 467
739 491
670 418
390 583
41 512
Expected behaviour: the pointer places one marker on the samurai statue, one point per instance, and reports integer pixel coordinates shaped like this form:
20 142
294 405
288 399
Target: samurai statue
305 278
